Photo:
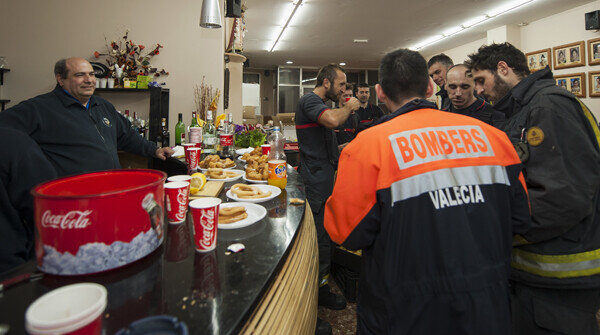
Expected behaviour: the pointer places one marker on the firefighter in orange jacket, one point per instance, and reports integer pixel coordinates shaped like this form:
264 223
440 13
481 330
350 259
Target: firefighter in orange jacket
433 199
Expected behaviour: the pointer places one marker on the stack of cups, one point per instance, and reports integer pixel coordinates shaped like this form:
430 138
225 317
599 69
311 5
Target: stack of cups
177 194
205 218
192 156
72 309
266 148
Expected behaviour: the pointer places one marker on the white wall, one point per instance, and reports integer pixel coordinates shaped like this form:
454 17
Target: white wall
555 30
34 34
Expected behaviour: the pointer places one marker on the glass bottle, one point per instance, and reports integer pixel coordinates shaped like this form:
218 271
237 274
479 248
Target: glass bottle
180 131
165 133
226 138
195 131
209 135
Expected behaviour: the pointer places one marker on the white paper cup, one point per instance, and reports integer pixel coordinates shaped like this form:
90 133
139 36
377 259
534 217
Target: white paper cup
181 177
72 309
110 83
103 82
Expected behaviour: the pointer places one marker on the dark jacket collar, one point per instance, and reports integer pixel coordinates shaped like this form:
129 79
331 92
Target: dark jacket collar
524 91
473 108
68 100
408 107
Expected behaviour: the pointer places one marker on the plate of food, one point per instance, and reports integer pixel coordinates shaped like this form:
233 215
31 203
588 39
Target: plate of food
253 193
224 174
214 161
255 181
244 150
234 215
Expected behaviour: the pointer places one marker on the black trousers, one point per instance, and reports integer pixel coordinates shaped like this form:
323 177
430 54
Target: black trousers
325 245
554 311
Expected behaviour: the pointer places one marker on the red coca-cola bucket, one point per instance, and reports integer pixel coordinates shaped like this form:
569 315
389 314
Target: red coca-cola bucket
98 221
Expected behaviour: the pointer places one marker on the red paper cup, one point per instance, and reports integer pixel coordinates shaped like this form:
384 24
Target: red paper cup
266 148
348 99
72 309
177 194
192 158
180 177
205 216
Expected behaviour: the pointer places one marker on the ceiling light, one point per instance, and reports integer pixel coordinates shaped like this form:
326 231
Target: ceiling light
342 64
361 41
452 31
508 6
210 17
428 41
289 62
296 6
474 21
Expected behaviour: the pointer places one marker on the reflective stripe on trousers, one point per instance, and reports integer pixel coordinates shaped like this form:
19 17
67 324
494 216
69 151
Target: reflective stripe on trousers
557 266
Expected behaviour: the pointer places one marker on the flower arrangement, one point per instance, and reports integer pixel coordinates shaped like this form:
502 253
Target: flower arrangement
205 98
128 57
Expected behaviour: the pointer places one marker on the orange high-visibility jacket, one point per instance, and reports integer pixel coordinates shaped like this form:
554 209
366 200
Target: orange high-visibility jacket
433 199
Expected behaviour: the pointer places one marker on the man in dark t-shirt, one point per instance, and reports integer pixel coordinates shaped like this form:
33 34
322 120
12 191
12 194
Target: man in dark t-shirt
367 112
461 86
319 154
347 131
438 66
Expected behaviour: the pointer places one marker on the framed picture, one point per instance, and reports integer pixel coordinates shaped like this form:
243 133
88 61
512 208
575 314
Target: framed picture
569 55
574 83
593 52
538 60
594 79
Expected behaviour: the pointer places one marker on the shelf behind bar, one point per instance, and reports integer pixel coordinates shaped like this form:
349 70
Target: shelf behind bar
130 90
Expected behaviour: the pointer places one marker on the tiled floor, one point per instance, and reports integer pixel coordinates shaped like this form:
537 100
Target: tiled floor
343 322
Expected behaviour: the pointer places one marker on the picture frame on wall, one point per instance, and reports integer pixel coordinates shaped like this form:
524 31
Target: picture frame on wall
569 55
594 79
574 83
594 52
537 60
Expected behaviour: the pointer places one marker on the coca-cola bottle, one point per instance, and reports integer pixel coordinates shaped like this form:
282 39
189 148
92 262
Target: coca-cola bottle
155 213
226 138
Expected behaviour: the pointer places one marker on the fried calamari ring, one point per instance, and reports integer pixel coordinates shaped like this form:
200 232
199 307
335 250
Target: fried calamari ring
228 211
231 219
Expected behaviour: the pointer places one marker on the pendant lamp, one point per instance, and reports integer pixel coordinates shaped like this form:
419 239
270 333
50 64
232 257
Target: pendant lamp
211 14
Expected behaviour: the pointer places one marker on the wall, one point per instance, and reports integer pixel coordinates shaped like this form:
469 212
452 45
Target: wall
36 33
555 30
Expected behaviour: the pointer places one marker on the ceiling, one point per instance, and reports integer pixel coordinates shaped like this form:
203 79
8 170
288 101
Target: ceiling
322 31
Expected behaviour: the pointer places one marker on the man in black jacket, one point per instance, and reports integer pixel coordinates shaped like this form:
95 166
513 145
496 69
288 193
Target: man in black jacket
22 166
461 91
556 265
77 132
438 66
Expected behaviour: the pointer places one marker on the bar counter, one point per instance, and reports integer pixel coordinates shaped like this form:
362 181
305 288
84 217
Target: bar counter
270 288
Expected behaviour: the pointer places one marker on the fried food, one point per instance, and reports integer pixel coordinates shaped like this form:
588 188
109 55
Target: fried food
296 201
217 173
232 214
244 191
257 171
215 162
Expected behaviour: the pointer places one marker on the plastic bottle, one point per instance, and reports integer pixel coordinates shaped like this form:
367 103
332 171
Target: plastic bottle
277 160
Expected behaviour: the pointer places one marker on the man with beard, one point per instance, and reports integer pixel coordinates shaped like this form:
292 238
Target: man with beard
438 66
319 155
347 131
367 112
555 264
460 87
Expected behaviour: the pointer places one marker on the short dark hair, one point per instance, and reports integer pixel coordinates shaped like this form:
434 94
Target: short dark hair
488 56
328 72
350 86
403 74
362 85
60 68
441 58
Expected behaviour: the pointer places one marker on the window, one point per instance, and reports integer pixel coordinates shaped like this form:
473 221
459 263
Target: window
251 78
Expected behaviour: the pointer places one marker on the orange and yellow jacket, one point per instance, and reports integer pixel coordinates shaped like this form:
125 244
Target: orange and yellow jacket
433 199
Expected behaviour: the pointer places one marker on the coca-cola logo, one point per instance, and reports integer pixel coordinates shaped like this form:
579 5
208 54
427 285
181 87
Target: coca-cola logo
226 140
207 222
182 202
70 220
193 158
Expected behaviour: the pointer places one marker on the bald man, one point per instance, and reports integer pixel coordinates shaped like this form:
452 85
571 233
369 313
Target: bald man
77 131
461 92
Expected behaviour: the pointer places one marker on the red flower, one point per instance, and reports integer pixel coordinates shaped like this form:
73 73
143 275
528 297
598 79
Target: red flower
141 47
132 53
156 52
96 54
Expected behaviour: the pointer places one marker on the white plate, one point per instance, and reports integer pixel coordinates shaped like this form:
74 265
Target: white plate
254 181
255 214
240 158
229 168
239 172
243 151
275 191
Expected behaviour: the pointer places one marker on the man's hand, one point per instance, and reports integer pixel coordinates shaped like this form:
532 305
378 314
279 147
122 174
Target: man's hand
353 104
163 153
